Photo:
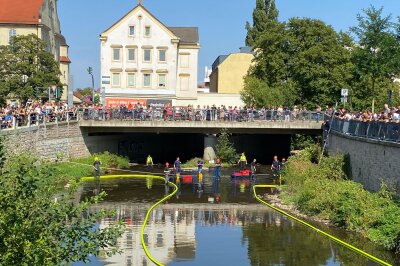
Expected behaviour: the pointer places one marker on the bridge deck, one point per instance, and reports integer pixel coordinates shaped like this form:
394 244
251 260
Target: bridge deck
255 127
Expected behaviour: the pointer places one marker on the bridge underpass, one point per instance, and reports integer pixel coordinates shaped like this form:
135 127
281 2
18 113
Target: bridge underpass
165 140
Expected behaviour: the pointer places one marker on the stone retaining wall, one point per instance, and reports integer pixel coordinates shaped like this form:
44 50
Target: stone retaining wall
49 142
370 160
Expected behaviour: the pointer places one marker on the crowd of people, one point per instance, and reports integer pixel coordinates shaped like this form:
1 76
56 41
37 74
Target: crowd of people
386 115
200 113
33 112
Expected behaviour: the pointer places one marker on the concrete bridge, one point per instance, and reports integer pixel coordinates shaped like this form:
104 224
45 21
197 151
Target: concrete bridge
203 127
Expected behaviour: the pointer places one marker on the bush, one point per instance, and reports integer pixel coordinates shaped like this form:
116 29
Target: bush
37 230
348 205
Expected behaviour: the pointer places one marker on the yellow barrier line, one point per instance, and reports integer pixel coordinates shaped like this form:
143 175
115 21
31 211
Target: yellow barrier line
150 209
369 256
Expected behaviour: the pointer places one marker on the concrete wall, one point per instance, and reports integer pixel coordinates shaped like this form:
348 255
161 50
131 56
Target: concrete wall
370 160
47 142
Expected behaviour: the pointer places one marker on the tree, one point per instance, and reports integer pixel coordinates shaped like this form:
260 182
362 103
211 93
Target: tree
224 148
37 230
26 67
302 62
86 91
376 57
264 14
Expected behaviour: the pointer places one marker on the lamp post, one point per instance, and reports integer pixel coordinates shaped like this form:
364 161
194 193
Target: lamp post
90 72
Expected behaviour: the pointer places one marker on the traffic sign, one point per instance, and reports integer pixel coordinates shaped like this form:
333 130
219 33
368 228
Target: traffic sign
345 92
344 99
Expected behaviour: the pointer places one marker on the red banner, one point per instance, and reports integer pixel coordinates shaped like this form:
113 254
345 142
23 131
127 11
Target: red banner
116 102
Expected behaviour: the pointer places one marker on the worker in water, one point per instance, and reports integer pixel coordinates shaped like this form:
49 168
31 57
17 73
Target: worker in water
276 167
217 174
96 166
242 161
217 170
177 165
253 168
283 163
167 171
149 162
97 172
200 172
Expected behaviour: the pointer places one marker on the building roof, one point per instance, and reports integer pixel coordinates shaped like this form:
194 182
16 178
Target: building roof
220 59
187 35
65 59
20 11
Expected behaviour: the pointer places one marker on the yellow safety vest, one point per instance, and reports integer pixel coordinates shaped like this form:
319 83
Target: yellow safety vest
149 160
243 158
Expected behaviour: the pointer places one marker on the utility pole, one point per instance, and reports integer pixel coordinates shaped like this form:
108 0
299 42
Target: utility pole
90 72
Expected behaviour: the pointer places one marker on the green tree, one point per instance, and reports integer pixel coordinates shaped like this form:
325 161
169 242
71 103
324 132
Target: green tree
319 64
86 91
376 57
301 62
37 230
224 148
264 14
26 67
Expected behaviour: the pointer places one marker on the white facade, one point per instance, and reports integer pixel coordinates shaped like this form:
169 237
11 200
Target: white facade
142 59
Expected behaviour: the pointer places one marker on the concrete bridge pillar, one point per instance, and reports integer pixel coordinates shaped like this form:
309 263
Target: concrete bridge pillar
210 141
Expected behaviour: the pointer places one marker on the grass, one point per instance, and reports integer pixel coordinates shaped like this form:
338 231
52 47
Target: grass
68 170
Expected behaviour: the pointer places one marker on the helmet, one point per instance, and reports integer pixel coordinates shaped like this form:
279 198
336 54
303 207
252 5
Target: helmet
96 158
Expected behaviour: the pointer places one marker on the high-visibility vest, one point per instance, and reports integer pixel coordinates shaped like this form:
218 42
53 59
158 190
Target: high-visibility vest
149 159
242 158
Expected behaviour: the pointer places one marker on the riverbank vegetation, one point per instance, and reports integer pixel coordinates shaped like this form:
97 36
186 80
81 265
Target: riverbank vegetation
323 191
76 168
43 225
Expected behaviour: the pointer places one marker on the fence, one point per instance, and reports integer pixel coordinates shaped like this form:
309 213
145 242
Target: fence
180 114
158 114
371 130
16 121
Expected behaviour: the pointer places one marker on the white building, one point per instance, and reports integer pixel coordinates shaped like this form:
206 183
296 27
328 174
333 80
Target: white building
142 60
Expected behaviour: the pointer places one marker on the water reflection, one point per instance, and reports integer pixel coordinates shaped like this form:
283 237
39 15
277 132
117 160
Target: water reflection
220 233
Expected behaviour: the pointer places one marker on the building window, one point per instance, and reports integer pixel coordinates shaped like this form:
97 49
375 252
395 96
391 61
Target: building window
11 33
146 80
131 30
147 56
116 54
184 83
184 59
131 80
116 79
162 80
147 31
162 55
131 54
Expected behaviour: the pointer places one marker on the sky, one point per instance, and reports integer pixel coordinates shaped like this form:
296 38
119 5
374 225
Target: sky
221 24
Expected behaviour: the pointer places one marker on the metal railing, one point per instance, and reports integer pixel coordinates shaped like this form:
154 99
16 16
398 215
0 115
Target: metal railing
18 121
389 131
159 114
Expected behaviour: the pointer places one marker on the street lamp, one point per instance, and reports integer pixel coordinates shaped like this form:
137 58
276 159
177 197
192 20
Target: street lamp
90 72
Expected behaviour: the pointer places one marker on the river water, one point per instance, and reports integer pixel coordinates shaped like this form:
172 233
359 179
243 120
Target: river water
221 225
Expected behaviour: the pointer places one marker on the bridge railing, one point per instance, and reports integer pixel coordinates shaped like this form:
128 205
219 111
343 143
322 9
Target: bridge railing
384 131
18 121
197 115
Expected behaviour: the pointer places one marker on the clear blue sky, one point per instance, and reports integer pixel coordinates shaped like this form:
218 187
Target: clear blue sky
221 23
